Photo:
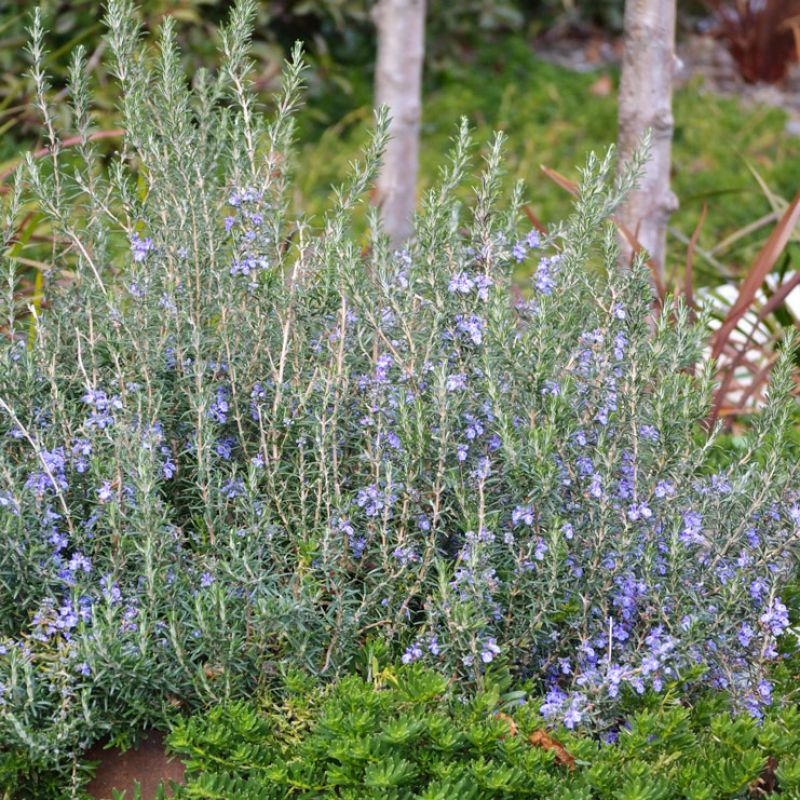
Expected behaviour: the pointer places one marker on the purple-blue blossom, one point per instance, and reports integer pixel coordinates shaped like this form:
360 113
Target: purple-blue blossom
649 432
405 555
776 617
471 327
233 488
543 278
456 383
533 239
489 649
220 405
519 252
522 514
412 653
105 492
141 247
692 528
461 283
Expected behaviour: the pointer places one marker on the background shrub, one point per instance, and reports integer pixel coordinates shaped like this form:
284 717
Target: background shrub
552 115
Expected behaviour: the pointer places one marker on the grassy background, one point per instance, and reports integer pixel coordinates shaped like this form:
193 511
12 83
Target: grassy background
553 117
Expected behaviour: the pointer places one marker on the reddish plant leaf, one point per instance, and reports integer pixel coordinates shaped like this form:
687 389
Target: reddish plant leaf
534 220
633 243
71 142
565 183
759 36
688 280
762 266
739 353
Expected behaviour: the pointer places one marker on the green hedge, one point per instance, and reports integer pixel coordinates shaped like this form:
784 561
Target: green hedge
407 734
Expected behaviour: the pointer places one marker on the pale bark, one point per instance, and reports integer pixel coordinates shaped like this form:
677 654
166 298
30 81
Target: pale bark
398 85
645 103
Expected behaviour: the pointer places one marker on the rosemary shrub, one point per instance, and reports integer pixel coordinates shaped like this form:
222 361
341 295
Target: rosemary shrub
234 440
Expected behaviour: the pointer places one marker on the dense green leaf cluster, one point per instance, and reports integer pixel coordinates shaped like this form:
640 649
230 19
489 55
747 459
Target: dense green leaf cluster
406 736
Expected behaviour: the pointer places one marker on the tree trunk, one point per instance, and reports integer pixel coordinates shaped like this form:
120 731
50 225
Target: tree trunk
645 102
398 85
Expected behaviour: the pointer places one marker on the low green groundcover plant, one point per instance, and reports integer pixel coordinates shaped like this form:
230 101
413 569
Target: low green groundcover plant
233 441
406 736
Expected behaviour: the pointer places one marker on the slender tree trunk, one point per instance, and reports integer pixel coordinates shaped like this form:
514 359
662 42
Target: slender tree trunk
398 85
645 102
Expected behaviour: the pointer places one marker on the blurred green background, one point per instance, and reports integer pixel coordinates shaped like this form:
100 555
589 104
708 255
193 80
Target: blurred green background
486 59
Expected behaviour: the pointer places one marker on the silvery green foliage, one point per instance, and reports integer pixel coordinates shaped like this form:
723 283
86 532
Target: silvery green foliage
234 441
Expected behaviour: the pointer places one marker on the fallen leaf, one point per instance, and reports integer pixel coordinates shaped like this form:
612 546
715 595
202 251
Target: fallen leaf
593 52
213 672
512 726
766 783
602 87
541 738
